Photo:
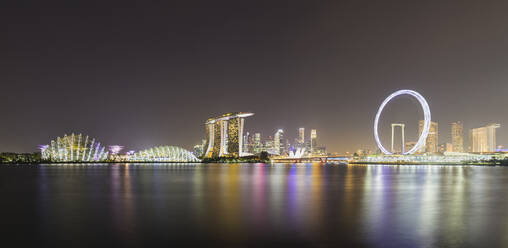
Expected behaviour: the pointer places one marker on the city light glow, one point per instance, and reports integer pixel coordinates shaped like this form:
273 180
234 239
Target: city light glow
115 149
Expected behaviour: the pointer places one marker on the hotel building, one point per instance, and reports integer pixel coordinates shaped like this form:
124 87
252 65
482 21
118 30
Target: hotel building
225 135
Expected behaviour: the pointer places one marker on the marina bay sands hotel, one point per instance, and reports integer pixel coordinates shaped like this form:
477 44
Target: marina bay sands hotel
224 135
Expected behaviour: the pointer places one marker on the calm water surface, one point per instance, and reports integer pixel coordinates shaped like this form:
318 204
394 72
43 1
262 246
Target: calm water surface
254 205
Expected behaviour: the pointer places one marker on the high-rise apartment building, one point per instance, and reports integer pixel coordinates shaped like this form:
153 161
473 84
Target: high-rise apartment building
483 139
431 143
457 137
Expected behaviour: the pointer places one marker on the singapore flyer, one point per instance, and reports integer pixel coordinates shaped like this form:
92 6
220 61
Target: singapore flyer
426 126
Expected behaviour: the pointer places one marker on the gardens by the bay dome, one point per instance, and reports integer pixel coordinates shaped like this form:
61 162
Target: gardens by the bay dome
74 148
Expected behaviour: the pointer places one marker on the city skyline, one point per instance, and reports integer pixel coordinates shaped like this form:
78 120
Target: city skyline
466 138
79 68
226 123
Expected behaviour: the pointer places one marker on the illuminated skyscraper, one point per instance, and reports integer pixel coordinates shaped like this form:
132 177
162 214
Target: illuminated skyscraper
225 135
301 135
250 144
246 142
278 143
457 137
313 139
431 143
483 139
257 143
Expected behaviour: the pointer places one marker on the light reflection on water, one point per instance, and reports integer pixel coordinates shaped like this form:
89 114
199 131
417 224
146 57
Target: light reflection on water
256 205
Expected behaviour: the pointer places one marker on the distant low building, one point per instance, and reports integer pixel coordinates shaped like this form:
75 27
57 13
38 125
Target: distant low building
320 150
198 150
445 147
409 145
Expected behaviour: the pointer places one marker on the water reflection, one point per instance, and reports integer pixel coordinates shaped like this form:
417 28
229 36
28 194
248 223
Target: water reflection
122 201
263 205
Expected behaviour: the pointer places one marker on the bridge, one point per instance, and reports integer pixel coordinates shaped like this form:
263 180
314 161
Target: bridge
311 159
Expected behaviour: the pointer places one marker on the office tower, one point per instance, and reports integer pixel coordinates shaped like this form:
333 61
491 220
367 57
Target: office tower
269 146
246 143
278 141
251 144
257 143
301 135
483 139
458 136
313 139
431 143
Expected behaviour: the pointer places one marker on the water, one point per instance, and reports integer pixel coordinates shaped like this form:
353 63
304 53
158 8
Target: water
254 205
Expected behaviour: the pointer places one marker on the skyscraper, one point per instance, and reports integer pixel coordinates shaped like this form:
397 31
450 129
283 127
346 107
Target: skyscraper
251 144
246 143
457 136
431 143
278 143
313 139
483 139
257 143
301 135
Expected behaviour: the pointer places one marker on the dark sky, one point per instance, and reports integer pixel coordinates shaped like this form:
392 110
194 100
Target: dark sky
143 74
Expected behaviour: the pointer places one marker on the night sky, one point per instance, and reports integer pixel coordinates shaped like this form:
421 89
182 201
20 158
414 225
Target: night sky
144 74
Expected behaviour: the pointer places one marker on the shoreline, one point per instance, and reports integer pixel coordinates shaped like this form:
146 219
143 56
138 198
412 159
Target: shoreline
429 163
249 162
